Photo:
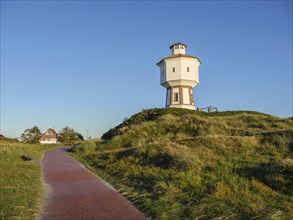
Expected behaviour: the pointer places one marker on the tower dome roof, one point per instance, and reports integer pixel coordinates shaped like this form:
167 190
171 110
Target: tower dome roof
178 43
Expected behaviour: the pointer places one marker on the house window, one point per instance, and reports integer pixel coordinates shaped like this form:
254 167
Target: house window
181 47
176 97
187 69
176 47
173 69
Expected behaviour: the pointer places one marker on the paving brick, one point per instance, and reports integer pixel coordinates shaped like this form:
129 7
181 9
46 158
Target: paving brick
73 192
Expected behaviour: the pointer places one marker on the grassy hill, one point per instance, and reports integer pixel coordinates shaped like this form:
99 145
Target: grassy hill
183 164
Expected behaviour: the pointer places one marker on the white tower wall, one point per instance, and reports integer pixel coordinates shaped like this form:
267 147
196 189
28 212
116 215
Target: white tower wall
189 70
186 97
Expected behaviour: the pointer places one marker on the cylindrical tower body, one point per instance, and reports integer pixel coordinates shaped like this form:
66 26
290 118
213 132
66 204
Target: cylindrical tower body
179 74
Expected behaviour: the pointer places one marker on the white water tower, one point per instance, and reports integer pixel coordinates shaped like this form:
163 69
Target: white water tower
179 74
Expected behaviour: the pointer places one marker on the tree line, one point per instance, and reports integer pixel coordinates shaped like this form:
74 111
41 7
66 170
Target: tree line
67 134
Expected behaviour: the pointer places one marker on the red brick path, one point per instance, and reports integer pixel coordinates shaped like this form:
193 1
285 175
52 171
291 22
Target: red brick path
73 192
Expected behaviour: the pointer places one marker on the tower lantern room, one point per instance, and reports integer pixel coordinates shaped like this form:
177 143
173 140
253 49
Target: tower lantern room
179 75
178 48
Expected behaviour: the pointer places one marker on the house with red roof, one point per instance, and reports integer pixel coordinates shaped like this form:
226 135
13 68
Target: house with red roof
49 137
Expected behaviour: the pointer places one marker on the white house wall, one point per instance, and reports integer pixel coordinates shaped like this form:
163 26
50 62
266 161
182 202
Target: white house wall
52 141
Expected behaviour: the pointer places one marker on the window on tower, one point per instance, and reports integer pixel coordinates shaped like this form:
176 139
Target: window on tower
176 47
173 69
176 97
187 69
182 47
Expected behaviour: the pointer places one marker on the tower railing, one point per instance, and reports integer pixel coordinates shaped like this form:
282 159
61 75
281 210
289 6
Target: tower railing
208 109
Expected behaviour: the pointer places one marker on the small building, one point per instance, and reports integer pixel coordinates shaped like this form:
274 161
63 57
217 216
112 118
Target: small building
49 137
179 75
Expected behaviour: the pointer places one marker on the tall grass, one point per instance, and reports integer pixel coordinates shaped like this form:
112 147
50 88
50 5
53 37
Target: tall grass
181 164
20 183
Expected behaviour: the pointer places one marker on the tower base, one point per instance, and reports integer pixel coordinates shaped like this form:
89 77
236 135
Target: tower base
180 97
192 107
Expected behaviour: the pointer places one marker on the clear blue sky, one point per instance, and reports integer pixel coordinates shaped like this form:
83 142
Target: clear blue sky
89 64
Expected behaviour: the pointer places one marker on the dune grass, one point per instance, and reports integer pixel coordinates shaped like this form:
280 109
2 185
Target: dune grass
20 183
181 164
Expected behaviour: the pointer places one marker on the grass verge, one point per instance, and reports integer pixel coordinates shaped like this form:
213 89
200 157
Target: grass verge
21 187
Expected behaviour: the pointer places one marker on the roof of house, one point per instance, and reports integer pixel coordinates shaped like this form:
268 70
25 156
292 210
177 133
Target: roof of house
48 136
178 55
